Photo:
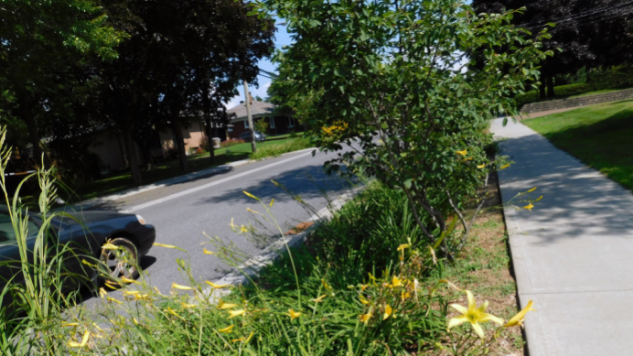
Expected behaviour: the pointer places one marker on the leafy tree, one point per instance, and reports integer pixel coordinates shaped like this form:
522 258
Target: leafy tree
38 41
398 70
588 33
181 57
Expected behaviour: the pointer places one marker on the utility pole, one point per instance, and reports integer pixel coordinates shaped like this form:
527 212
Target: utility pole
250 117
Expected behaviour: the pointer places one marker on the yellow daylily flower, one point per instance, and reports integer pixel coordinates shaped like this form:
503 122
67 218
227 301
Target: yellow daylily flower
319 299
170 310
188 306
388 312
114 300
468 159
235 313
363 300
142 297
254 211
403 247
227 330
363 287
293 314
395 282
539 198
102 292
271 203
238 340
224 306
481 166
112 284
157 291
325 285
109 246
243 229
463 153
405 295
207 252
128 280
274 182
130 293
180 286
84 340
529 207
518 319
365 317
216 286
70 324
249 337
504 167
473 314
250 195
164 245
531 190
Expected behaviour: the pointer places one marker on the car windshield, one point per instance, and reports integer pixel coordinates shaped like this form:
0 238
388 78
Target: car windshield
7 233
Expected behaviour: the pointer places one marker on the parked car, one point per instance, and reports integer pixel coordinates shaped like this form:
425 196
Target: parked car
85 234
246 136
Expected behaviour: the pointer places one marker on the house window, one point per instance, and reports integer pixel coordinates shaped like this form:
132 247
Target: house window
291 122
246 123
272 122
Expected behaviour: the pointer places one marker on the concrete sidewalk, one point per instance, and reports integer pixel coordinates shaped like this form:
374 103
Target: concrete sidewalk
573 254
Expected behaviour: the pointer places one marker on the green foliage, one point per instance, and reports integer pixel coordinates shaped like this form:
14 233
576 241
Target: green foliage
611 78
562 91
261 125
363 70
277 149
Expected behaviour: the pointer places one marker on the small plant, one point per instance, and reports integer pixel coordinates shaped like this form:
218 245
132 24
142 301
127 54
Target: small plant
261 125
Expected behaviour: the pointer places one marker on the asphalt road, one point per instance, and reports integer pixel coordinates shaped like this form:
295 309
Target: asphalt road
183 212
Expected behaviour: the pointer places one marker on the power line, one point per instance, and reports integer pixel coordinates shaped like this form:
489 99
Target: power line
574 17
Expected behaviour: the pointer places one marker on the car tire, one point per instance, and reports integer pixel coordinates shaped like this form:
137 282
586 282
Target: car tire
122 262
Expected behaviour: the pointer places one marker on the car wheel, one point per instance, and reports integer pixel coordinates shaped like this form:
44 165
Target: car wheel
122 262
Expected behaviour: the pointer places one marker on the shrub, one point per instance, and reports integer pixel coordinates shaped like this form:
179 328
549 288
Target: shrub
279 149
611 78
203 144
561 92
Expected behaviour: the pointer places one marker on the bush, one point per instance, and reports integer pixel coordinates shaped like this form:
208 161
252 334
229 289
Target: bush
611 78
561 92
279 149
231 142
261 125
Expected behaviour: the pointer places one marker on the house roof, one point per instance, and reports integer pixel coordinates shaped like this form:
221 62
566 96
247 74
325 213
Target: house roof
258 108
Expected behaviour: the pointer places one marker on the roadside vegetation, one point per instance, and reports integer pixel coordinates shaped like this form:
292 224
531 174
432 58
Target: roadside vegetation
598 135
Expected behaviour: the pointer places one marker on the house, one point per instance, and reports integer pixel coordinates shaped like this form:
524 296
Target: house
260 110
109 146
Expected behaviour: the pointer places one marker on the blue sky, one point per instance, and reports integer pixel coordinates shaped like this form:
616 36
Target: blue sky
281 39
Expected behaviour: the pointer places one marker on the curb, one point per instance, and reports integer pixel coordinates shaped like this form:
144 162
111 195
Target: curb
250 269
94 202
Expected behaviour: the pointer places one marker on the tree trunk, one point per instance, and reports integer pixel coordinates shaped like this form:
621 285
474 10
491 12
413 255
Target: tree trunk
180 143
542 93
550 87
29 119
135 170
207 121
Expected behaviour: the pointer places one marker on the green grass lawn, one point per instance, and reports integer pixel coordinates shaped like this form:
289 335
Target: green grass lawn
600 135
121 180
603 91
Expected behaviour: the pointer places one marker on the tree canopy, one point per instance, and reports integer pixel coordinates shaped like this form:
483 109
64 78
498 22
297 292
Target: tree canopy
390 81
588 33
